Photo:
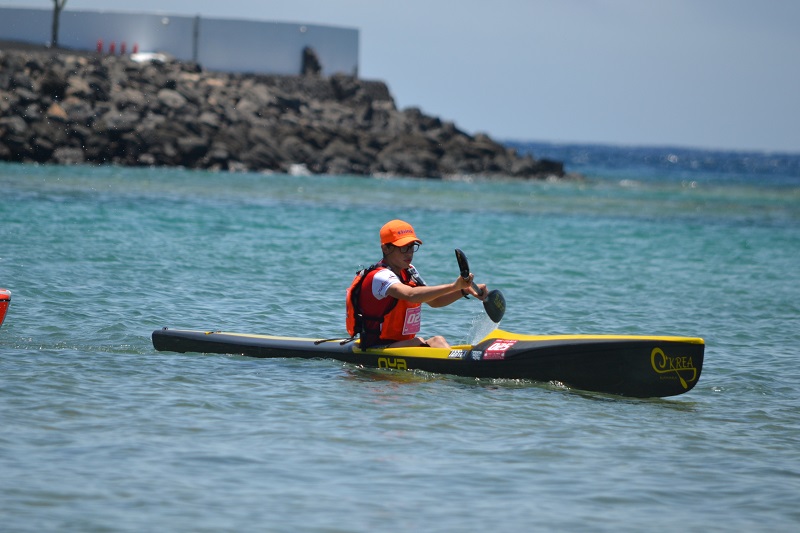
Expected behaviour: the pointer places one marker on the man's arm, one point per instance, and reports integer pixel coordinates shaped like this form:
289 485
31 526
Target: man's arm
435 295
428 294
447 299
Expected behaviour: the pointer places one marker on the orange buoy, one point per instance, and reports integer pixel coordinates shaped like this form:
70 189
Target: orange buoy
5 299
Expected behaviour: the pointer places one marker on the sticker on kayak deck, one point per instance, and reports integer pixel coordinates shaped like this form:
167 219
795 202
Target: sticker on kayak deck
457 354
498 349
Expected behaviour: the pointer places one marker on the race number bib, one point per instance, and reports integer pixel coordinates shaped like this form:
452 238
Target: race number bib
412 322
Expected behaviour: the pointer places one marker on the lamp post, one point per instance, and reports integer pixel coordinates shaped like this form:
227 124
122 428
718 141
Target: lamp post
58 5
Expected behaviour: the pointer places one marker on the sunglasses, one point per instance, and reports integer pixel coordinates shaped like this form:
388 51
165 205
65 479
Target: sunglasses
413 247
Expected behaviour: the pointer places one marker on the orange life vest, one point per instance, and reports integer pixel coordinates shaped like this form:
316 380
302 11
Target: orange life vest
378 321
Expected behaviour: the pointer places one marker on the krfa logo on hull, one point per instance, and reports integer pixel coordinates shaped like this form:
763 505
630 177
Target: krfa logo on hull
681 366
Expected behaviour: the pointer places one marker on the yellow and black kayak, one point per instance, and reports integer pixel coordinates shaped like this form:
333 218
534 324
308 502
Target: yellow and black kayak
626 365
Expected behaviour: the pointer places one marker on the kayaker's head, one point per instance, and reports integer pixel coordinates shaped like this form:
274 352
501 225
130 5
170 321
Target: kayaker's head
399 242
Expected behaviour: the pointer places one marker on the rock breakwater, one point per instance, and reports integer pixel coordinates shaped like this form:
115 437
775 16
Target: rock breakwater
70 108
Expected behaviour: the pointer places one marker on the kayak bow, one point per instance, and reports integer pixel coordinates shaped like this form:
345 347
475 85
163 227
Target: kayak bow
626 365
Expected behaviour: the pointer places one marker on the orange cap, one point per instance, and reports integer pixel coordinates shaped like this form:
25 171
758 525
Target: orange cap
398 233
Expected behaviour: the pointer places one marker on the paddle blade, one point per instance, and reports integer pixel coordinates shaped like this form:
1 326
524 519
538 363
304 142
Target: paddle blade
495 305
463 264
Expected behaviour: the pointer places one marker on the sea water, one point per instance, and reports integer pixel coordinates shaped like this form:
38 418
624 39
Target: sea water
100 432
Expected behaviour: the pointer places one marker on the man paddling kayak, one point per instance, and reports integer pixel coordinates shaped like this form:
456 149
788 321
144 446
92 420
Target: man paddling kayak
384 301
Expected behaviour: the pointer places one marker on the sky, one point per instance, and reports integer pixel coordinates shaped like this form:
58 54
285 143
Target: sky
715 74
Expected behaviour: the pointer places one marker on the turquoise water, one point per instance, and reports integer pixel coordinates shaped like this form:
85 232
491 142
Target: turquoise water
102 433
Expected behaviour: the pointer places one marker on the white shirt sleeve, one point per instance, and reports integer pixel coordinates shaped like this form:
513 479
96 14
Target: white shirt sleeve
381 281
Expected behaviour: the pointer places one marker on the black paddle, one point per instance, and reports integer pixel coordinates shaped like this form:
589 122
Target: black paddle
495 302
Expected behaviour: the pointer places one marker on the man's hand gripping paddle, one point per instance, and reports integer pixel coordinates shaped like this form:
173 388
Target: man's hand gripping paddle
495 302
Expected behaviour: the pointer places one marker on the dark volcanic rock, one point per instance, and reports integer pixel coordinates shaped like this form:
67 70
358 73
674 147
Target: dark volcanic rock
68 107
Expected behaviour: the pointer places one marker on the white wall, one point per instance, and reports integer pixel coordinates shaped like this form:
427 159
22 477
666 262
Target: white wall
217 44
27 25
251 46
